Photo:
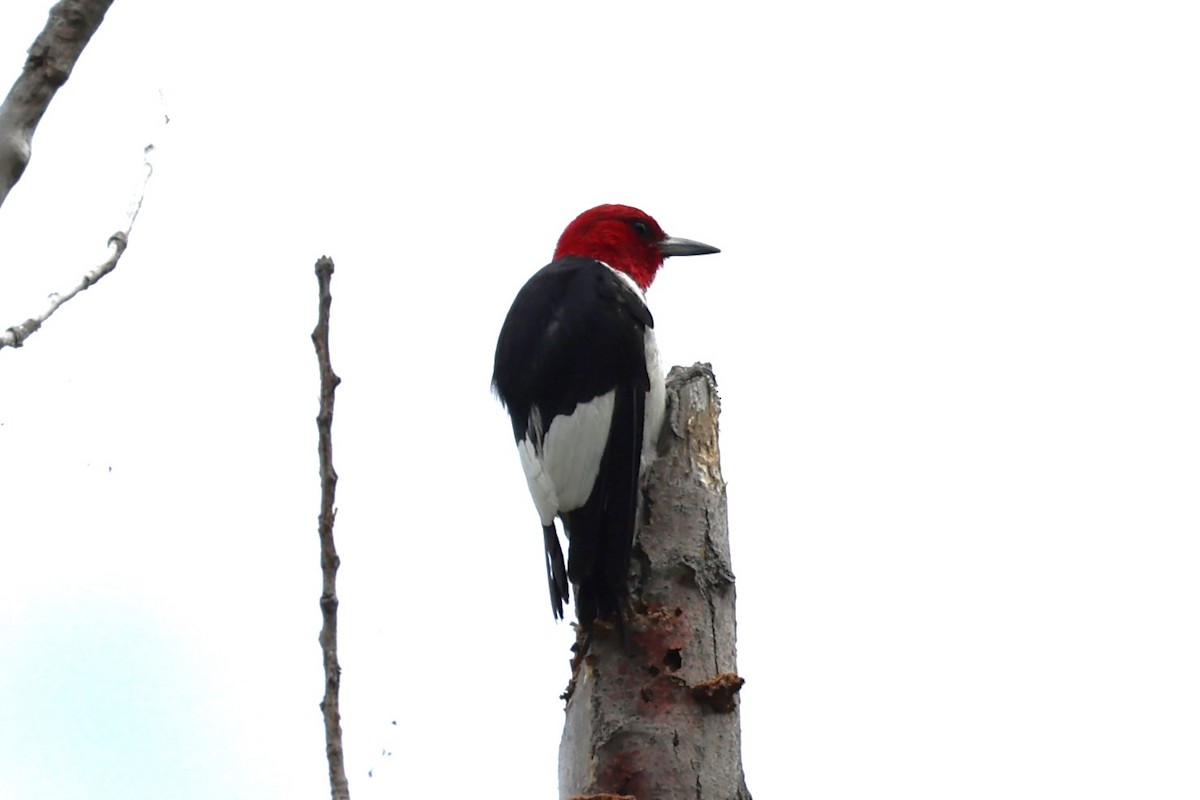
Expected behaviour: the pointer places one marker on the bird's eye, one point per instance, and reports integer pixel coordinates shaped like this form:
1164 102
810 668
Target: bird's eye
641 228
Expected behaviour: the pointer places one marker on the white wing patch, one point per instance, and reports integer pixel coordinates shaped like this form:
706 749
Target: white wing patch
656 399
545 498
656 402
561 466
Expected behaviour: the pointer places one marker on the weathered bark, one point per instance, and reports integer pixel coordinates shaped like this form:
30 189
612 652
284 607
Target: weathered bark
657 719
51 59
339 787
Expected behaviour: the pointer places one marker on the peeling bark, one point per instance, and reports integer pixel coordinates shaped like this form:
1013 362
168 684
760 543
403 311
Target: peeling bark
657 719
51 58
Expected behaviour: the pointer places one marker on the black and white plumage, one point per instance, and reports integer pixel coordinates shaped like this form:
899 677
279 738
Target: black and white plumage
577 369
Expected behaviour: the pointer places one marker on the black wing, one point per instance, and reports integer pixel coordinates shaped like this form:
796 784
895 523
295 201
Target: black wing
576 331
601 532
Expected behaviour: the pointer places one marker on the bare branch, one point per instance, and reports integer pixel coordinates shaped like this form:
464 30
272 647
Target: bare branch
339 786
51 59
16 335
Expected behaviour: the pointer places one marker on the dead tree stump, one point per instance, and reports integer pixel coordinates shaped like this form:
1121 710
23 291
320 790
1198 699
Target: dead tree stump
657 719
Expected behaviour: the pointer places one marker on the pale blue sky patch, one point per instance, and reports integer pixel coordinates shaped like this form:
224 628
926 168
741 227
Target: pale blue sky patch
100 700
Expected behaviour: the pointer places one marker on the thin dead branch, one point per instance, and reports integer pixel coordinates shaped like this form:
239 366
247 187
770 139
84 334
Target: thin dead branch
339 786
16 335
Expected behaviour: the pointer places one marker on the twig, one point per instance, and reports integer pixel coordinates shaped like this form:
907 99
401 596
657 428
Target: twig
51 58
339 786
16 335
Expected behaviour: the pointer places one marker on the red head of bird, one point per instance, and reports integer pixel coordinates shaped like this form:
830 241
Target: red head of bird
627 239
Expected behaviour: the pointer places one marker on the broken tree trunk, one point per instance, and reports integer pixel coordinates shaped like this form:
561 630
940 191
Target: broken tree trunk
657 719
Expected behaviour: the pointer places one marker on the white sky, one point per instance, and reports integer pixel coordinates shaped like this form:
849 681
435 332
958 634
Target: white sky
954 324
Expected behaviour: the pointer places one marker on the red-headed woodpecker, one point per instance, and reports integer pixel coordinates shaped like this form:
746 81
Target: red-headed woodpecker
577 369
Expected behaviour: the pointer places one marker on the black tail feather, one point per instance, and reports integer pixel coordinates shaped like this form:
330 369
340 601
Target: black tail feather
556 571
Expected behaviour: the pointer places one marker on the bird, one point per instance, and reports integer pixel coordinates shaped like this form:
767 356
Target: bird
577 369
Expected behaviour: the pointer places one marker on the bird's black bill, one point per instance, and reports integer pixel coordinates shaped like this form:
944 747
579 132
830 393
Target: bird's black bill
674 246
